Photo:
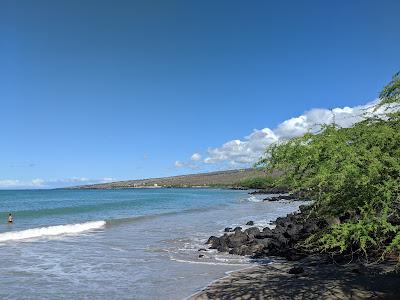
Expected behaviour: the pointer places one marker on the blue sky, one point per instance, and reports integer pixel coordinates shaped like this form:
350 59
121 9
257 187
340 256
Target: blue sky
100 90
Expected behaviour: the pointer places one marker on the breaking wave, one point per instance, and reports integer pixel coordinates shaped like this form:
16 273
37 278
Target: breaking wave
50 231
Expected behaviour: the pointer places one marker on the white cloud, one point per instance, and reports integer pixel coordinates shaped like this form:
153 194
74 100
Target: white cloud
195 157
16 184
38 182
179 164
312 120
182 164
107 179
79 180
246 151
52 183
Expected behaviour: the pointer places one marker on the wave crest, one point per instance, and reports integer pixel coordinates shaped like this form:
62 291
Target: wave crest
50 231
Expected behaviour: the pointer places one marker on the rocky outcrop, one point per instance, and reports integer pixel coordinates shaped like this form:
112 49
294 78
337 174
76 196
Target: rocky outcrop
272 190
239 188
281 241
280 197
296 270
281 194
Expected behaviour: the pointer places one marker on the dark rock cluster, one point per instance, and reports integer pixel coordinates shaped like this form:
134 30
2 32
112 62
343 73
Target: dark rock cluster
280 197
297 195
270 191
281 241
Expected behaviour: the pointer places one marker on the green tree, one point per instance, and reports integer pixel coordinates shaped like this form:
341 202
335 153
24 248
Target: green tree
351 173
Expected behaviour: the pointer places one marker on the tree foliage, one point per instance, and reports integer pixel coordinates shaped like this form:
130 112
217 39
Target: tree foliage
352 174
391 92
257 182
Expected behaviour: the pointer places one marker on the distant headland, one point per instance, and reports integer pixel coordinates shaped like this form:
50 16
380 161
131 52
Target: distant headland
229 179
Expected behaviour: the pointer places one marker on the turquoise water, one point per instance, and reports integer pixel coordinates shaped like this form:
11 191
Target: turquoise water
120 244
34 208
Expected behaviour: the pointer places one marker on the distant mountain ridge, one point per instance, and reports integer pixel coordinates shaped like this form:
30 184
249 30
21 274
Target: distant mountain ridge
228 178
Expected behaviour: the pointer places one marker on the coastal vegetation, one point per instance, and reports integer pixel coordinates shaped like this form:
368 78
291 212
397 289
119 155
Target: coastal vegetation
261 182
353 177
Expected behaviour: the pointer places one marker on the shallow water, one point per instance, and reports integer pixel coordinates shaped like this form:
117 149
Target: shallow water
128 244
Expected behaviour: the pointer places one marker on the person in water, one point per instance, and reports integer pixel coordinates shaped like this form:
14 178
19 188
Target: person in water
10 218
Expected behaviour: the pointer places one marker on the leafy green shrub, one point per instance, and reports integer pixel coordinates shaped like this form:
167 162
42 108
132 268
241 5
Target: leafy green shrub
257 182
351 173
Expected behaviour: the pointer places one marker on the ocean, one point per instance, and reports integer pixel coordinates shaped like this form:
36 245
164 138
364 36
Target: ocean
121 244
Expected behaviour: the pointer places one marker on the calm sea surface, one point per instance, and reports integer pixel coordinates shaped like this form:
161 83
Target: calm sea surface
120 244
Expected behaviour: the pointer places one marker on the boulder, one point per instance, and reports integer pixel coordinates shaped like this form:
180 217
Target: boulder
250 223
280 197
215 243
255 248
237 239
211 240
270 191
293 231
218 242
304 208
252 231
279 229
296 270
264 234
243 250
228 229
237 250
271 199
263 242
279 241
309 229
223 248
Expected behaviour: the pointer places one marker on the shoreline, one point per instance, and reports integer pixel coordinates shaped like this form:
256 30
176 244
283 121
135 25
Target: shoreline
215 281
227 178
295 274
320 280
159 255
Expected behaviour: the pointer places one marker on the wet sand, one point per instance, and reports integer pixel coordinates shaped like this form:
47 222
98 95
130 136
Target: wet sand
318 281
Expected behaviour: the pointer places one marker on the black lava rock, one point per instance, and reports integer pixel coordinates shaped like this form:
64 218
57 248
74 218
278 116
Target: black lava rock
296 270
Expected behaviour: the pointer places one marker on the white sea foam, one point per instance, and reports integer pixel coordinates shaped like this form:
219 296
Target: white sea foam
50 231
212 263
254 199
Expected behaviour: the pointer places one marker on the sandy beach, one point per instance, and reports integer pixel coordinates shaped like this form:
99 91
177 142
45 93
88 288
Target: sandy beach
319 280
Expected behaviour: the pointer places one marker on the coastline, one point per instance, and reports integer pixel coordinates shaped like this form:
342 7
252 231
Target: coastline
158 254
218 179
296 274
320 280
